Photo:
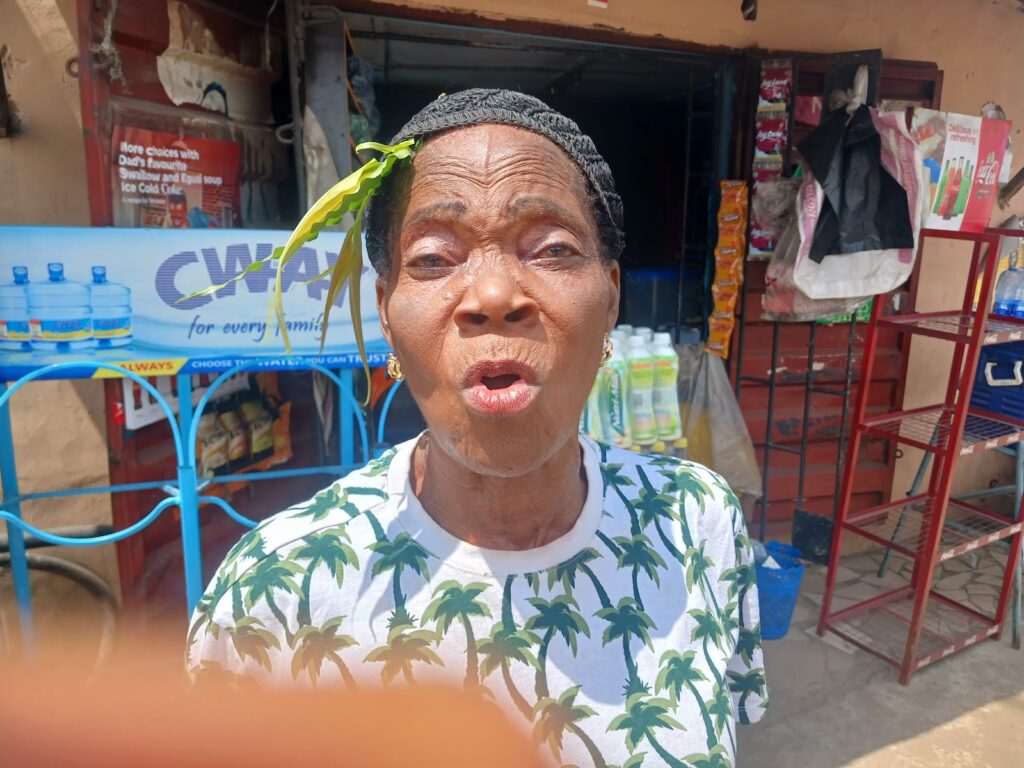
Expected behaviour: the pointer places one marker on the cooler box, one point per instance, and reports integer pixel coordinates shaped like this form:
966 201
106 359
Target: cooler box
999 381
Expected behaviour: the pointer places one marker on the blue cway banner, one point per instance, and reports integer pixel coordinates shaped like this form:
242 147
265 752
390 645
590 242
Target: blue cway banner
118 296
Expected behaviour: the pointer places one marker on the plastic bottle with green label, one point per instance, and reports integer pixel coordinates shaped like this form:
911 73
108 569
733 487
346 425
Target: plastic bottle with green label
666 393
641 392
614 399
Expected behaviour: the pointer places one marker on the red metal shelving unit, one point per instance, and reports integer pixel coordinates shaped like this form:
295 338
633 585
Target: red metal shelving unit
913 625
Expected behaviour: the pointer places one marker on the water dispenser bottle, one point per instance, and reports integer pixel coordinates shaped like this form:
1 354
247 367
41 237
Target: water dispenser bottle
111 310
59 314
14 331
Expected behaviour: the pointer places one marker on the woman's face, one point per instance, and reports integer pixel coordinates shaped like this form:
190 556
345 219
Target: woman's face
498 298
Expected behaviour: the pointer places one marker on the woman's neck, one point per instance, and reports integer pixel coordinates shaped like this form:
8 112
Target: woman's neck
513 513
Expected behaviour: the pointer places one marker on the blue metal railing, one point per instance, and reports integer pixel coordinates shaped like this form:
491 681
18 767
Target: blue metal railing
184 492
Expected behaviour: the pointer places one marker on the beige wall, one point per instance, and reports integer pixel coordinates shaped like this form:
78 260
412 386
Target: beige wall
58 426
973 41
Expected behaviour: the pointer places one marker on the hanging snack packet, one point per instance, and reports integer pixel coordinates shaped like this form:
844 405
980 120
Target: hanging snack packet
213 445
776 85
734 194
238 439
772 135
765 169
762 241
725 297
719 334
261 429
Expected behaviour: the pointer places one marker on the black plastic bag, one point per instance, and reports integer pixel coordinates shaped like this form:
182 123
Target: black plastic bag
865 208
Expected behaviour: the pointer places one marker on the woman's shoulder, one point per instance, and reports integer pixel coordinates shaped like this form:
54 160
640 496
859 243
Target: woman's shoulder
343 508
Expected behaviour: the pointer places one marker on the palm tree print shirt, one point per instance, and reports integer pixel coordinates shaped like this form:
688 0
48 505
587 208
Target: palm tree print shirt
633 640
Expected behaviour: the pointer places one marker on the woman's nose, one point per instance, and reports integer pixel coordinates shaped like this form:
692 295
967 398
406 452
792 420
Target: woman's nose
494 298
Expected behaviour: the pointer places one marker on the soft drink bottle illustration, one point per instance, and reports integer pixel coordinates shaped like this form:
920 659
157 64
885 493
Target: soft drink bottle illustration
14 330
59 314
111 310
940 194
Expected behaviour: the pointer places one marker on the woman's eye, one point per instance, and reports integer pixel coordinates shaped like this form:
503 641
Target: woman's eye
555 251
429 261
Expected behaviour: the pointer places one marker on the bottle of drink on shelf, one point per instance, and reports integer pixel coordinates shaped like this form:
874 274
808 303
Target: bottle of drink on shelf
641 392
614 400
1006 290
666 388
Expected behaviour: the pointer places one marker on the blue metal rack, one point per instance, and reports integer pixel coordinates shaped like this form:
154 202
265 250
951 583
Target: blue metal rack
185 491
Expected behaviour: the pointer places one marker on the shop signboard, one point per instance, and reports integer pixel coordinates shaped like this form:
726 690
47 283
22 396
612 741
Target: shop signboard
120 296
963 155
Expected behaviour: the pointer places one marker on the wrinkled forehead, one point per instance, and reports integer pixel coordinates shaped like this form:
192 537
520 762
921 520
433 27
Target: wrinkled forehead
484 158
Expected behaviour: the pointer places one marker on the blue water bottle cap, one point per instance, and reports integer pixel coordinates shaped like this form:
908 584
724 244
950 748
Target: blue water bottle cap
20 275
99 274
56 270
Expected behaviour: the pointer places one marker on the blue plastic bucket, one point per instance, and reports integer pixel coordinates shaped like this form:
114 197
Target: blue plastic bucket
778 588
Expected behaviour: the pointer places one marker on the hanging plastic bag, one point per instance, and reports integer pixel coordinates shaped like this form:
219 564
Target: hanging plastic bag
865 207
713 425
868 272
782 299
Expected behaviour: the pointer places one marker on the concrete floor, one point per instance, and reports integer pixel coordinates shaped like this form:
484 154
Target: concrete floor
834 705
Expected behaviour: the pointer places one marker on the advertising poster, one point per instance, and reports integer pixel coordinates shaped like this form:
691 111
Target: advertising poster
963 155
173 181
118 295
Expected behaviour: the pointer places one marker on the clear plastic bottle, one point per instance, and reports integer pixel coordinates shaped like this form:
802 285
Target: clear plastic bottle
60 317
646 334
14 329
1016 291
1006 289
625 329
666 388
614 399
111 310
641 392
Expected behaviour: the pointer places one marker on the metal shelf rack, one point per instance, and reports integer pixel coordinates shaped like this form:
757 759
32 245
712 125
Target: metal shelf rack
913 625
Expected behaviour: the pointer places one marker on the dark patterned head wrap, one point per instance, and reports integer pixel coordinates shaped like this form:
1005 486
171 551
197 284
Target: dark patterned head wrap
479 106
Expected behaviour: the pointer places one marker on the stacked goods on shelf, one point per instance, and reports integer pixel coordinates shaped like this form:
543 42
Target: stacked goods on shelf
246 431
725 289
770 143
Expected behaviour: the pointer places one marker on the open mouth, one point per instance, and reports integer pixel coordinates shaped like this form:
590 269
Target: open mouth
501 381
499 386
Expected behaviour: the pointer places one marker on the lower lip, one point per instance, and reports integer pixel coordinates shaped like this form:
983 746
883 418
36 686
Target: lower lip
513 399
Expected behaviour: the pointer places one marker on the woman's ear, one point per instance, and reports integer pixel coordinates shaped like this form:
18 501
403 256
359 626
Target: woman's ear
382 309
614 287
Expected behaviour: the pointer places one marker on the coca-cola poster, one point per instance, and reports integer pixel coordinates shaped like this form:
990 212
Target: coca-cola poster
174 181
963 155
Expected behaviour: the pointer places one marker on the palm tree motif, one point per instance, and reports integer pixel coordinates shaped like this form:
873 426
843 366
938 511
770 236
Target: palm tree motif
715 758
655 507
325 502
404 647
270 575
250 545
745 684
208 604
697 567
380 465
315 645
455 602
626 621
615 479
687 484
747 643
329 547
611 545
708 630
212 672
633 761
553 717
678 672
554 616
396 555
721 711
643 715
508 644
727 619
566 573
503 648
252 639
638 554
740 580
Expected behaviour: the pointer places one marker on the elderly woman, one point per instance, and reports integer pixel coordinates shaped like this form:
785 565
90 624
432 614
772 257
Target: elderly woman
606 596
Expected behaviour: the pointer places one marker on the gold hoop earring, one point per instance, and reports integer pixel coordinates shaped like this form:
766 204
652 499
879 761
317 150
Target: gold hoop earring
394 367
606 351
